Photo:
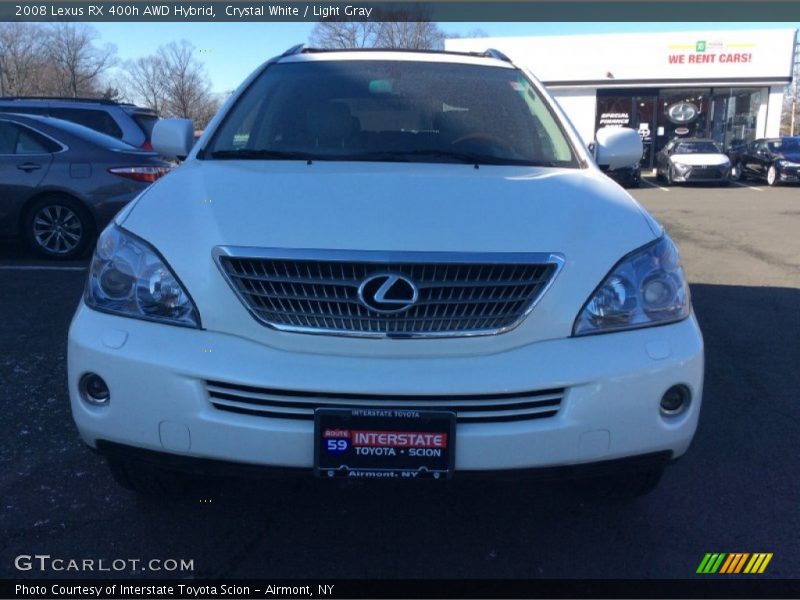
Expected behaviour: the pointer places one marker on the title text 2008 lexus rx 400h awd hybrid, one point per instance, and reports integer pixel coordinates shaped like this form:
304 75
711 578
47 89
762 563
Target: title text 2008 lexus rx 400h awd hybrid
389 264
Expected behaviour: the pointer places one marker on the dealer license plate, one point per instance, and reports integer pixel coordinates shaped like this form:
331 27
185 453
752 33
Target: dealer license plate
384 443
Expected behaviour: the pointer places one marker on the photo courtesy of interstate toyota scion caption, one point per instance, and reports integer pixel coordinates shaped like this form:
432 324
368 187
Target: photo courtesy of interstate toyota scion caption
388 264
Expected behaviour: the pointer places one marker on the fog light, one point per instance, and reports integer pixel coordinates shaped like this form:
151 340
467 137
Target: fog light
94 390
675 400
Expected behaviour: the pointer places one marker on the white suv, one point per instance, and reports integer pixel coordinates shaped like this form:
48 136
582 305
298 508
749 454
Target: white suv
387 264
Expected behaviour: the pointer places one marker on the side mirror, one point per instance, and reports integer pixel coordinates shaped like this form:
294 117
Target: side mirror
618 147
173 138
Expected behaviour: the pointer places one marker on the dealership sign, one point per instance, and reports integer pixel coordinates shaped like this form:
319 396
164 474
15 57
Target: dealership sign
615 119
628 58
682 112
707 53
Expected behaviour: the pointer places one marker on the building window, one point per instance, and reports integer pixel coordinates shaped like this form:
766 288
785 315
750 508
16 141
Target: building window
734 115
682 113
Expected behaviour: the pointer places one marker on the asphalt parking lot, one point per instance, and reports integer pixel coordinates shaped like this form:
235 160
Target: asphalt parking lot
737 490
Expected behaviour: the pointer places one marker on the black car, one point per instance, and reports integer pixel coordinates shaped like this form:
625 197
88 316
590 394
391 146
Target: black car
774 160
61 183
629 177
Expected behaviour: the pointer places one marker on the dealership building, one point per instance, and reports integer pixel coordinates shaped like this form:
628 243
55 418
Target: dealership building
724 85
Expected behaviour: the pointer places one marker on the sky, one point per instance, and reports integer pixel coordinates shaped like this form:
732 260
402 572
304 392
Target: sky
230 51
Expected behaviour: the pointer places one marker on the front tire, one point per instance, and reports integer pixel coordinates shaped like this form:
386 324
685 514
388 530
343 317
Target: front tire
670 176
772 176
58 227
622 486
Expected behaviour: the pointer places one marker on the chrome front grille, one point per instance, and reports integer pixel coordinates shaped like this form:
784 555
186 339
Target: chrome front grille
703 172
314 291
293 404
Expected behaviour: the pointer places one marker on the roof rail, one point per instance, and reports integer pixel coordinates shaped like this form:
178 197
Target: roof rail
305 48
63 99
492 53
297 49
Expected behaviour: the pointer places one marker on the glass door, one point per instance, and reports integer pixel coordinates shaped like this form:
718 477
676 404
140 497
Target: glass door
635 109
644 121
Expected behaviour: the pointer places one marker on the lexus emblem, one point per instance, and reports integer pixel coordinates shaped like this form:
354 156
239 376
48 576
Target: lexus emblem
682 112
388 293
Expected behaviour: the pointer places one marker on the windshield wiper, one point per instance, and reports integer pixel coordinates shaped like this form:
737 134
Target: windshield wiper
247 154
452 156
380 156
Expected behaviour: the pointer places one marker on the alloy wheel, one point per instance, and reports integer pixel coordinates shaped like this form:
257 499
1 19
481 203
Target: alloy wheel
772 175
57 229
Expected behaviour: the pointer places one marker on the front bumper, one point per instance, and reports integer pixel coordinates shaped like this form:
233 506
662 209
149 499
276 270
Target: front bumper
159 402
699 174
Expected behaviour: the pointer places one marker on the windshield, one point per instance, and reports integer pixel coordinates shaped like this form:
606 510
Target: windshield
392 111
697 148
785 145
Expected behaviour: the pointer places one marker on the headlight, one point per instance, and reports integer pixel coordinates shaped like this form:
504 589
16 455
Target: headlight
128 277
680 167
645 288
787 163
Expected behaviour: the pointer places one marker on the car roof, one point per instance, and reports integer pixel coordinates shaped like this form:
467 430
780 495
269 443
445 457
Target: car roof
694 140
64 100
304 53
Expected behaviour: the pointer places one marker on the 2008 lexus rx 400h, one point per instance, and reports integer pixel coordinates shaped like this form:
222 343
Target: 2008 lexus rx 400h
388 264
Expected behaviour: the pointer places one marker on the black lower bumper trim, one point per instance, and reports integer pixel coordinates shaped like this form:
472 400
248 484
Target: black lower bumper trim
212 467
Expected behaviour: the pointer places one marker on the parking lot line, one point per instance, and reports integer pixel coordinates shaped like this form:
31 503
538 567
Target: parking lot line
744 185
38 268
655 185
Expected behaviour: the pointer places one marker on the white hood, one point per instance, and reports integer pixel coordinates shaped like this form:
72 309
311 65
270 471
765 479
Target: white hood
579 213
705 160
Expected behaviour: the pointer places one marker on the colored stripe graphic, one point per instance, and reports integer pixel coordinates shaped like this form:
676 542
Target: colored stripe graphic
727 564
711 562
741 562
734 563
703 563
758 563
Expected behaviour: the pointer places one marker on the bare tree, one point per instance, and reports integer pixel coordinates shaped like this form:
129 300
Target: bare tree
187 90
415 35
472 33
345 34
22 61
407 27
75 61
790 113
146 81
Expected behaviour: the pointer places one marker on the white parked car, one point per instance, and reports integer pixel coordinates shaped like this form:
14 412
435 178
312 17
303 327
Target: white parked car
692 160
388 264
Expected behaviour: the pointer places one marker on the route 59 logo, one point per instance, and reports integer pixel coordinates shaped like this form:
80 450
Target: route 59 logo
337 441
